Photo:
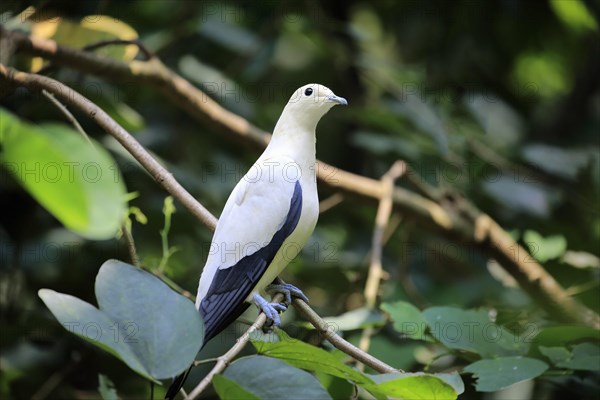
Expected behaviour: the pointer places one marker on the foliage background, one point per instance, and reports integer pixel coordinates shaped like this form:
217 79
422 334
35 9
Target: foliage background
497 100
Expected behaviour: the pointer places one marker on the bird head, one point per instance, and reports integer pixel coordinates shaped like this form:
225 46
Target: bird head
312 101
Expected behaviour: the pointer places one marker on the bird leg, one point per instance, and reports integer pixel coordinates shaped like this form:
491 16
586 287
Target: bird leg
287 290
271 310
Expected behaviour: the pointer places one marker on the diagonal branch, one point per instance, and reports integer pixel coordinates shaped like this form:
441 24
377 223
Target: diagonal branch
454 218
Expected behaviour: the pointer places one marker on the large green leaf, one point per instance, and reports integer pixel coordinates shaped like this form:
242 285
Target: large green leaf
420 385
154 330
76 182
407 319
268 378
472 330
499 373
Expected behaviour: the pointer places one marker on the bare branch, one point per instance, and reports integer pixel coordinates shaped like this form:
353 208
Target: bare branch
376 272
65 111
111 42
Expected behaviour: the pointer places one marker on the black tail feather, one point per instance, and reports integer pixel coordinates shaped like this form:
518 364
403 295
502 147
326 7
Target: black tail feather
177 384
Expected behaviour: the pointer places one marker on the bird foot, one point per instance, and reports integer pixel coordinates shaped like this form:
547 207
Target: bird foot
287 290
271 310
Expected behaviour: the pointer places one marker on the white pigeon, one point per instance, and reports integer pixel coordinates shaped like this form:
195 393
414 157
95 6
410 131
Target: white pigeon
266 221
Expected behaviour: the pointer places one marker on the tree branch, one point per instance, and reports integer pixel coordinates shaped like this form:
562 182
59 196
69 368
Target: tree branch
121 42
456 219
384 210
65 111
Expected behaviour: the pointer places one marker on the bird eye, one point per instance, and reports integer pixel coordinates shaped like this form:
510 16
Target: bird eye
308 91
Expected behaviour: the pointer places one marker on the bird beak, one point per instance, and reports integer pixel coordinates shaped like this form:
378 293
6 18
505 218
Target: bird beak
337 99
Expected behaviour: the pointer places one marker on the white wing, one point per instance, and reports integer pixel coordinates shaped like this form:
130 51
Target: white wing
255 210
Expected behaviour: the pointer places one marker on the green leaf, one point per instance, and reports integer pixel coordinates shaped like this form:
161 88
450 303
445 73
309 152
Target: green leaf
106 388
359 318
311 358
585 356
229 389
420 385
407 319
268 378
546 69
154 330
91 324
499 373
574 14
77 183
337 388
545 248
472 330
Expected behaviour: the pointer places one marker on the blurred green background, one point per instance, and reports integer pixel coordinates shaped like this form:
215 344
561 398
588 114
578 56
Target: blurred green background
499 101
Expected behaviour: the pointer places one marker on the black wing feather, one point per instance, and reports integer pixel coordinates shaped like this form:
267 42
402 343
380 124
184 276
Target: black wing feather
224 301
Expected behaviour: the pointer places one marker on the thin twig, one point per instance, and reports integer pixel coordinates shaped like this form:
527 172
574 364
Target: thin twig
70 117
133 256
111 42
375 266
226 358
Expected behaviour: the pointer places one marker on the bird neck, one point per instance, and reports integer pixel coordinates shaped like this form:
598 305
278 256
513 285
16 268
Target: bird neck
296 140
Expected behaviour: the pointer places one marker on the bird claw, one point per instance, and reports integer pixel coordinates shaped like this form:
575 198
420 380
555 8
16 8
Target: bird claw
271 310
287 290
